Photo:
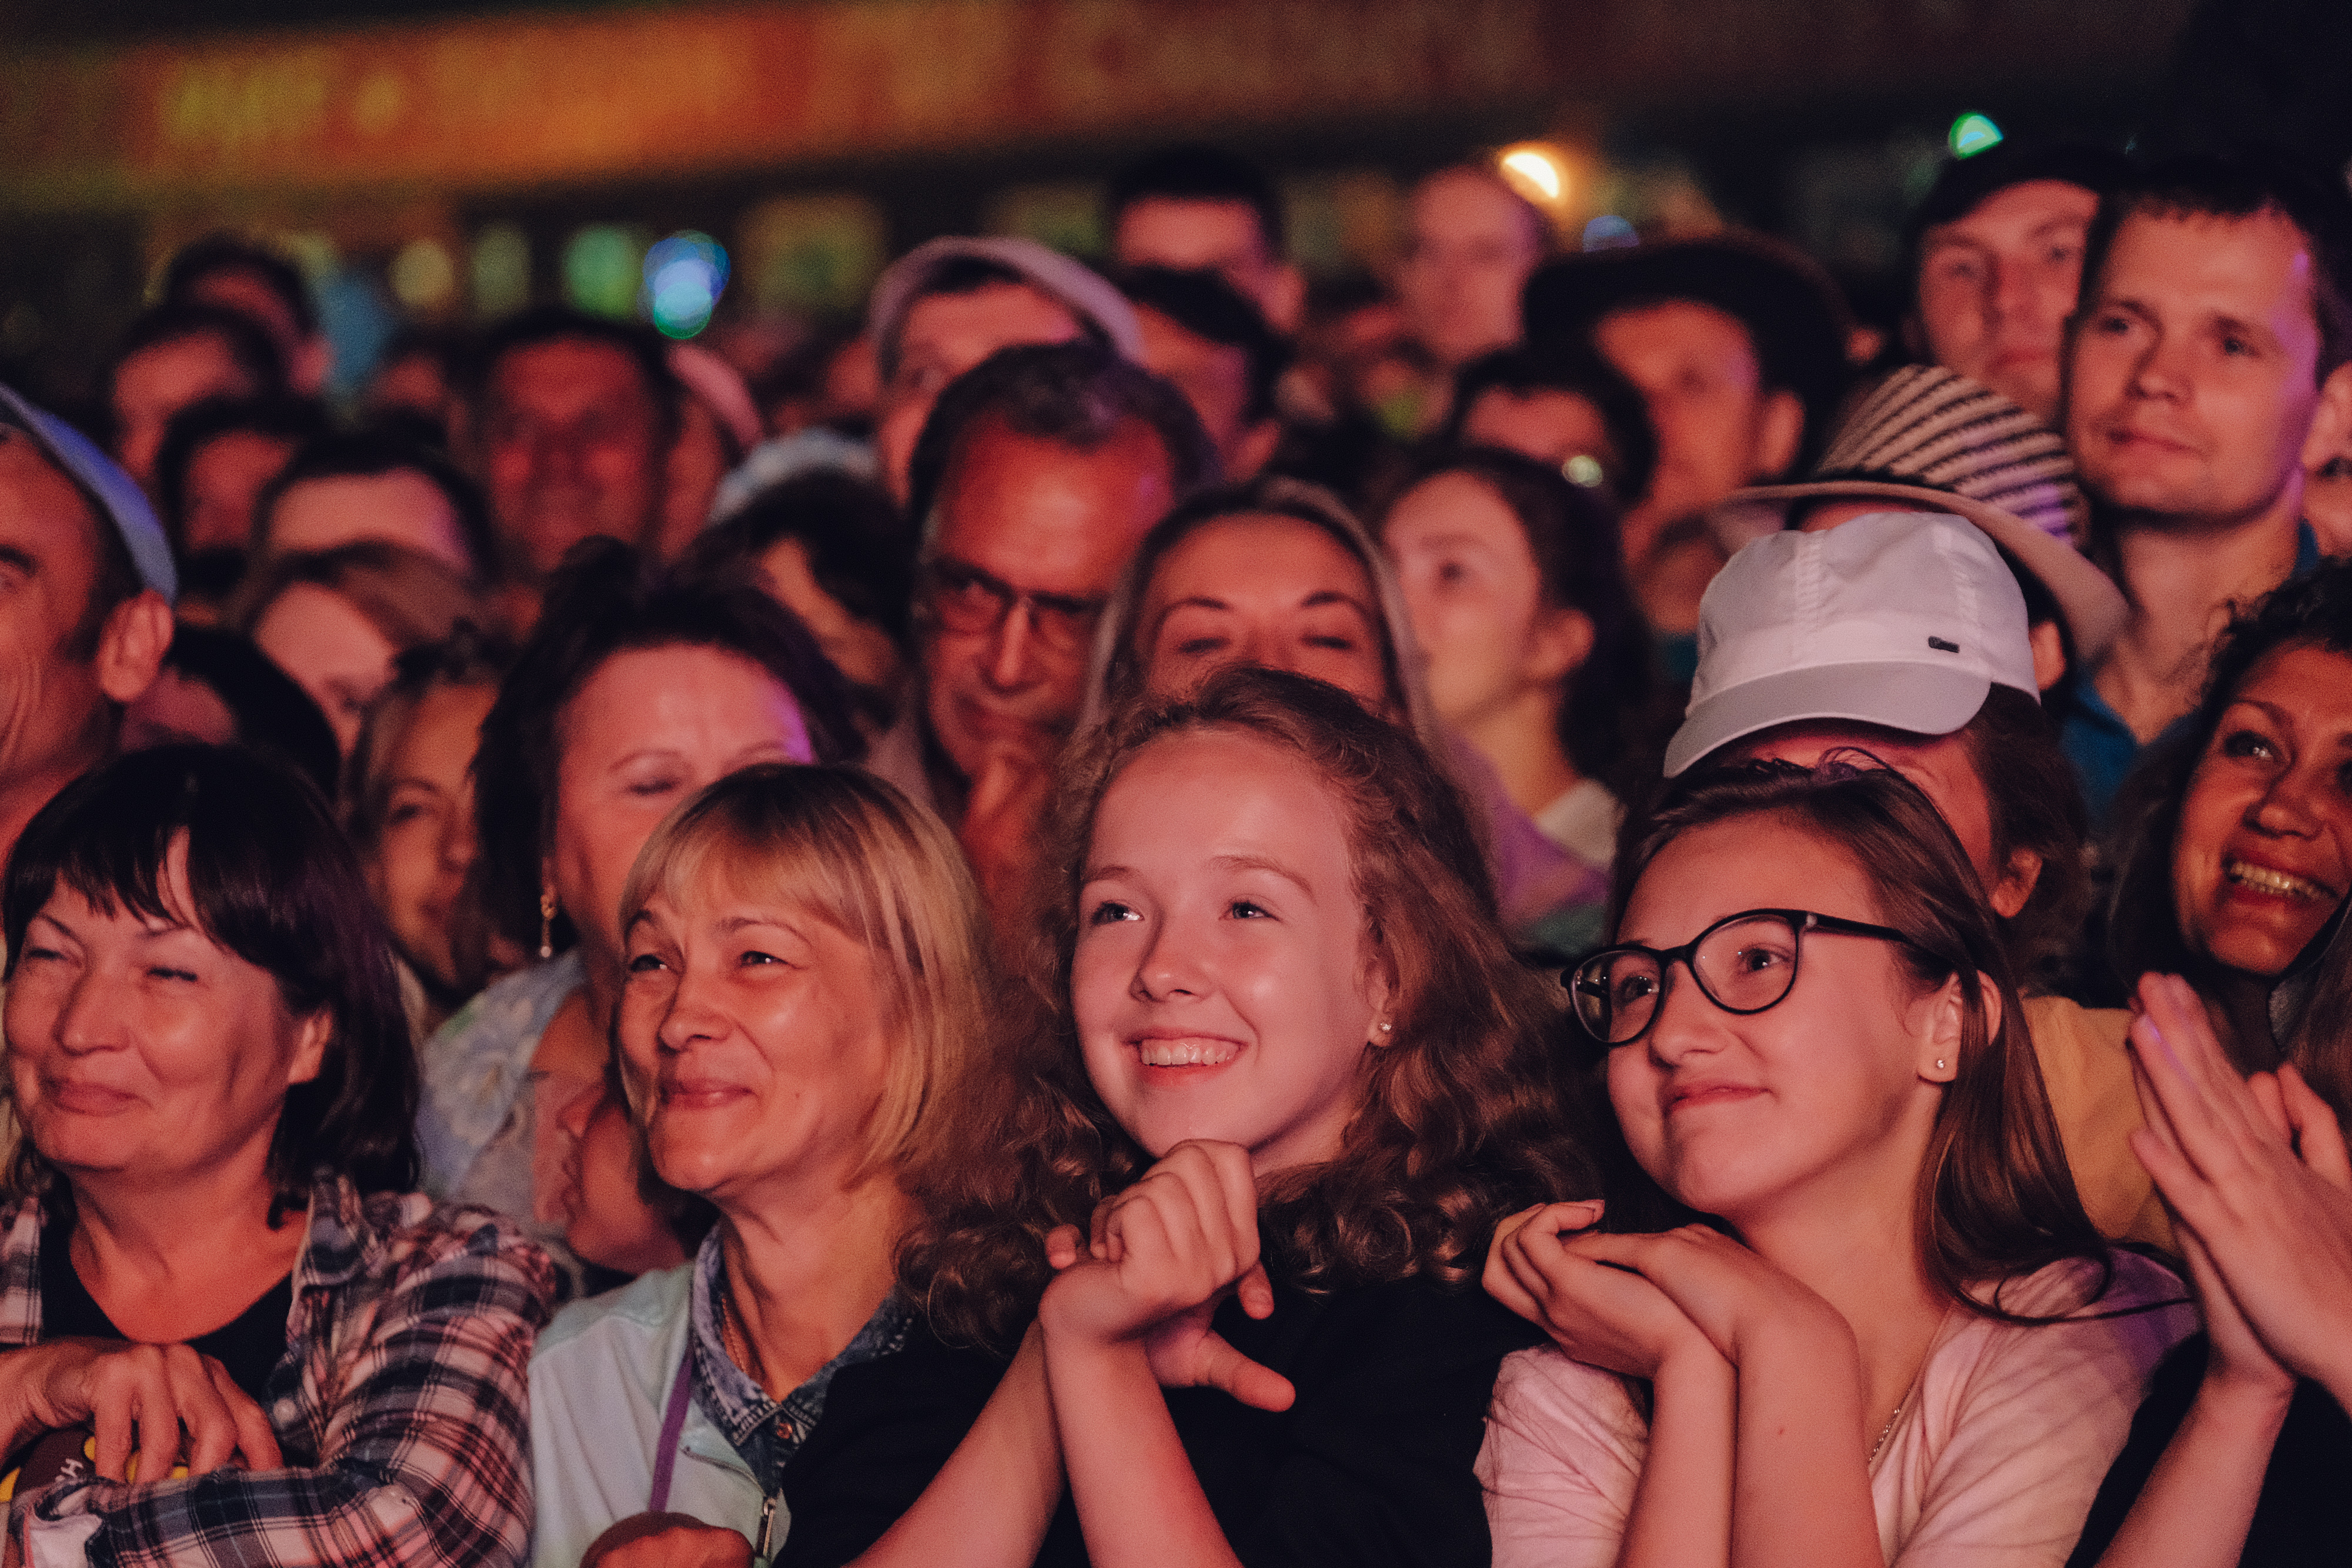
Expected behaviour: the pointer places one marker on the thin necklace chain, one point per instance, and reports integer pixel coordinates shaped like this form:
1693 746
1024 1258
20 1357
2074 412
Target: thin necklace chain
1889 1430
738 1344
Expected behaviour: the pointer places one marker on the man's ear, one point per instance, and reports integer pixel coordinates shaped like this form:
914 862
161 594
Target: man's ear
1285 302
1779 430
131 647
2331 421
2016 886
2049 654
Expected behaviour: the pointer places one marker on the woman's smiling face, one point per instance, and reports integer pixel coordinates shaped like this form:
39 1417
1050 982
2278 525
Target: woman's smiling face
2264 852
1224 985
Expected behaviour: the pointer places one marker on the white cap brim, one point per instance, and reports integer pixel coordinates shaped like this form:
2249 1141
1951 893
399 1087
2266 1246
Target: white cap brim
1922 698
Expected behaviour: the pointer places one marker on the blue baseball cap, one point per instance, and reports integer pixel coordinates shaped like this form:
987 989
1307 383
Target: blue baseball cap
117 497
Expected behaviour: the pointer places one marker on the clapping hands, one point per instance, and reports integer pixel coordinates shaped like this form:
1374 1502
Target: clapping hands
2256 1175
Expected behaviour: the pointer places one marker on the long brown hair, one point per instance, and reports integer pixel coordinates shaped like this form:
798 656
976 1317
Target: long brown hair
1460 1121
1994 1199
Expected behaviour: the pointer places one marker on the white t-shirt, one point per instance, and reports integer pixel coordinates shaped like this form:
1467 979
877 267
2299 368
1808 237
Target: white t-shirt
1995 1458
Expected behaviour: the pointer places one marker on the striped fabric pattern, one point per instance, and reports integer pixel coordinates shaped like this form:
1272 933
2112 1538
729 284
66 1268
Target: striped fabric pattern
1925 425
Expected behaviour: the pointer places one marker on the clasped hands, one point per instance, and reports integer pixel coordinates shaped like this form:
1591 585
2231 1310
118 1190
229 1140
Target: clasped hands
1154 1264
1642 1305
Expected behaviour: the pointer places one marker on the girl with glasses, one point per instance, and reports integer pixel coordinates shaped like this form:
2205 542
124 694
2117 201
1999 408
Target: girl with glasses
1892 1335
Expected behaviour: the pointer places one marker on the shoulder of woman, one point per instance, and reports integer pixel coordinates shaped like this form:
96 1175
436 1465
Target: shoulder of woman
1422 1323
2143 1311
408 1235
510 1011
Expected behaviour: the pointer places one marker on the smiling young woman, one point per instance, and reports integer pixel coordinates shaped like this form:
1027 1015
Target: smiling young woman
2234 840
1284 1079
1897 1335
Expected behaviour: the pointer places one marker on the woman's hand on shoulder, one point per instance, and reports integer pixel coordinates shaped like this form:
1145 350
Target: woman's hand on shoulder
2256 1174
126 1391
667 1540
1605 1316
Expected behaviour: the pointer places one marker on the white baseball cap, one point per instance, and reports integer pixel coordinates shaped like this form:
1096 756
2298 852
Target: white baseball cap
1900 619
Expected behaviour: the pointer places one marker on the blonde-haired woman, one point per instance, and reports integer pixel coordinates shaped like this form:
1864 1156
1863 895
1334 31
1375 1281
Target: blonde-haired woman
806 969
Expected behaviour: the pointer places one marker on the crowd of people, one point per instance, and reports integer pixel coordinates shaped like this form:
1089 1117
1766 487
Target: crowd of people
1054 937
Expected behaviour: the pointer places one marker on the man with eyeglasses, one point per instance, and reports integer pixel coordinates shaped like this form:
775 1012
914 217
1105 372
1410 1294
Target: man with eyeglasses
1036 474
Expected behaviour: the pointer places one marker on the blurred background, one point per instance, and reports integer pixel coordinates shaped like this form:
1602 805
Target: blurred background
738 173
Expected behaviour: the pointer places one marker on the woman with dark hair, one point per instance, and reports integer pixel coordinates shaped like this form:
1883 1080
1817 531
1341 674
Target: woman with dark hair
2233 840
217 688
1286 1079
1278 574
408 804
1536 654
637 688
831 547
1896 1330
211 1251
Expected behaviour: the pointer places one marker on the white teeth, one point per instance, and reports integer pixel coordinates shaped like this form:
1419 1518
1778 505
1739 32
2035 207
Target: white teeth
1186 1053
2265 880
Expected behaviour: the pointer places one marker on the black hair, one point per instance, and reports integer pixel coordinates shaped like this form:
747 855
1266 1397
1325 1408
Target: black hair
273 715
860 550
370 453
1963 184
2143 922
253 349
1608 714
282 416
606 599
1194 172
2240 185
1206 306
218 253
273 881
1073 394
1576 369
644 349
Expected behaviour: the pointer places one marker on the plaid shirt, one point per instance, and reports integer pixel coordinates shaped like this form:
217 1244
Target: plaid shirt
399 1405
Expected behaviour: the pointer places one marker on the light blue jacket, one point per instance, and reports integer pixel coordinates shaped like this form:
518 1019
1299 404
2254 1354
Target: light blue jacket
599 1382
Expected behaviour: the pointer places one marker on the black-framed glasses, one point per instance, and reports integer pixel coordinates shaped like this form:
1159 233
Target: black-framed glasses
961 598
1744 962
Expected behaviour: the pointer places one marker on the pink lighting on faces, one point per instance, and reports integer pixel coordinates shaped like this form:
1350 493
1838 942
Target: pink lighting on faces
646 731
1472 242
1223 983
1830 1093
1265 590
2264 852
943 336
1996 284
401 506
2191 372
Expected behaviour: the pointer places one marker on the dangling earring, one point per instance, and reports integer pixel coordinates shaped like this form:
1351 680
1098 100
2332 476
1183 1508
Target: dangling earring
547 925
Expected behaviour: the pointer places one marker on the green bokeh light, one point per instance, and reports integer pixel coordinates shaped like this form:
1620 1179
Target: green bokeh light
1972 134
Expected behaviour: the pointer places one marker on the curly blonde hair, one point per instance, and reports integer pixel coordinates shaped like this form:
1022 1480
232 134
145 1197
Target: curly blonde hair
1464 1118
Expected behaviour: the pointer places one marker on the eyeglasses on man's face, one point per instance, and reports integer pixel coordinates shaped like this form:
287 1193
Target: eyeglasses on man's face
958 597
1744 962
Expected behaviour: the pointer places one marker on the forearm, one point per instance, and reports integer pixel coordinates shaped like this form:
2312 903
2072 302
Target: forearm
2200 1499
991 1503
1139 1501
1801 1471
1682 1507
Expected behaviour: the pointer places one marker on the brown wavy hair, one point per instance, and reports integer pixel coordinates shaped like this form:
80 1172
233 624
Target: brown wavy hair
1995 1199
1462 1120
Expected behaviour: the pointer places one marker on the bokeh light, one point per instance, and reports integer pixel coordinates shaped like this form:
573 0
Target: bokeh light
683 277
1582 469
1536 170
1972 134
501 270
423 277
1609 232
600 269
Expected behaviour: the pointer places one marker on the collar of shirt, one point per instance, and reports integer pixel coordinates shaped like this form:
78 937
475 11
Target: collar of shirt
767 1432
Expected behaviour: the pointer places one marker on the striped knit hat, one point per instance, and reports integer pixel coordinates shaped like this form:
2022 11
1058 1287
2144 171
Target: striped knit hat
1930 439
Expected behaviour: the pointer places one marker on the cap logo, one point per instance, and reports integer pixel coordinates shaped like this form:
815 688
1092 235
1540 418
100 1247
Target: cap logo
1943 647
